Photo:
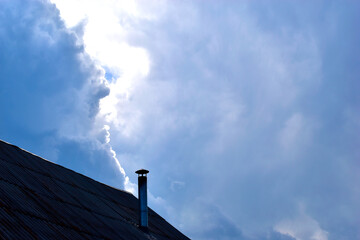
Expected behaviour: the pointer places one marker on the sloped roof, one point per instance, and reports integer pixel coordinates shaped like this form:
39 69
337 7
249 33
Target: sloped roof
42 200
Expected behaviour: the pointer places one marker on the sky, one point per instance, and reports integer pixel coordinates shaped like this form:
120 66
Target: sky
246 113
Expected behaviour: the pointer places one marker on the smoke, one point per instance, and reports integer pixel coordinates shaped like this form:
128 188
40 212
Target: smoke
128 186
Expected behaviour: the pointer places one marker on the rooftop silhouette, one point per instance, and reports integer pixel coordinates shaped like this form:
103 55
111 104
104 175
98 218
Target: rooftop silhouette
43 200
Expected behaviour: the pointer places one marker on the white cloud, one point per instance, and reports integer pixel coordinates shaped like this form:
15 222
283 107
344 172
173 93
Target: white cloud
296 135
220 95
177 185
105 33
302 227
204 220
293 128
53 87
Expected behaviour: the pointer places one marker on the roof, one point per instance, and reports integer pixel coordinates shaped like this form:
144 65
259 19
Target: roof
43 200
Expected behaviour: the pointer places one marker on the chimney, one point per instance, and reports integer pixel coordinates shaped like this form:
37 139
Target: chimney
143 209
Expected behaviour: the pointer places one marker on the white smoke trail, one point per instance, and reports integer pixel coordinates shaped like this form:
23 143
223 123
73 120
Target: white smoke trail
128 185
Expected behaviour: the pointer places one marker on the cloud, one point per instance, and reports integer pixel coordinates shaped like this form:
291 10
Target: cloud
239 110
50 87
203 220
229 100
297 134
176 185
225 95
302 227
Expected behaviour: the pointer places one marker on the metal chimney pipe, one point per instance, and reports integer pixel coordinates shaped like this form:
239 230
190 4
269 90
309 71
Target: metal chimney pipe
143 209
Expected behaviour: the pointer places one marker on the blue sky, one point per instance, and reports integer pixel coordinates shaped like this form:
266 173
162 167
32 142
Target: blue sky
246 113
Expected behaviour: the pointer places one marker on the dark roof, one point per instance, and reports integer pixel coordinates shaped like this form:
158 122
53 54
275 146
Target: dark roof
42 200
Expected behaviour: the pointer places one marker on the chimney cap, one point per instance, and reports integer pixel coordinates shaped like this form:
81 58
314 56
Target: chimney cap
142 171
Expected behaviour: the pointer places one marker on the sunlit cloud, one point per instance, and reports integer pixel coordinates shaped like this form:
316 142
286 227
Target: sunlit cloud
240 110
302 227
